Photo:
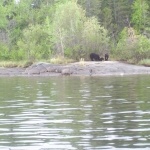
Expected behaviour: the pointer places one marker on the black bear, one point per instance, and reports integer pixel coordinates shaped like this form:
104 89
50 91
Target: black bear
95 57
101 59
106 57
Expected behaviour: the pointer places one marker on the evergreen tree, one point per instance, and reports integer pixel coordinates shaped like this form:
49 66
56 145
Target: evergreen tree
139 14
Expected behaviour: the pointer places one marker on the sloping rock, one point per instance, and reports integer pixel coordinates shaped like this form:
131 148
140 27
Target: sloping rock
41 68
66 71
75 69
51 69
32 71
58 70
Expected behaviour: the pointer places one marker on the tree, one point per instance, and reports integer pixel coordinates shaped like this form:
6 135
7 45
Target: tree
92 7
94 36
34 43
3 19
74 34
132 46
106 17
67 25
139 14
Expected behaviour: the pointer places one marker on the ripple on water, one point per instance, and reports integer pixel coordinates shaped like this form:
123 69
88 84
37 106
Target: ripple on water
87 113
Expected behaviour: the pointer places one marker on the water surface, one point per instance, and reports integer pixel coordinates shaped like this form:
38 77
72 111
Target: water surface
75 113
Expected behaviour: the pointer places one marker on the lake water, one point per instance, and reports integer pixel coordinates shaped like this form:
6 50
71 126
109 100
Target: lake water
75 113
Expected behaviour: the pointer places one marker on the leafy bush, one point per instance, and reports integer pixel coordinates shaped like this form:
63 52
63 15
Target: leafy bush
145 62
34 43
4 52
17 55
135 48
94 36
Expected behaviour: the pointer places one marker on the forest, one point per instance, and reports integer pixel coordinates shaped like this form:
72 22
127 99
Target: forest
36 30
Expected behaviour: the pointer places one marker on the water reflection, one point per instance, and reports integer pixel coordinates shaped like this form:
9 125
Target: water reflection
74 113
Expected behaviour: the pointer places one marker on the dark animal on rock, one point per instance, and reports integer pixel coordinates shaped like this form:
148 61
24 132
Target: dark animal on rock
102 59
106 57
94 57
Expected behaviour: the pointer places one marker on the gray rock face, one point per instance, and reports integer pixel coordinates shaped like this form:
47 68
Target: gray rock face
66 71
51 69
58 70
88 69
76 69
43 68
32 71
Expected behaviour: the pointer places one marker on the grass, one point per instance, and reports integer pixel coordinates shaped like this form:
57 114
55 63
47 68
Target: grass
131 61
60 60
12 64
25 64
145 62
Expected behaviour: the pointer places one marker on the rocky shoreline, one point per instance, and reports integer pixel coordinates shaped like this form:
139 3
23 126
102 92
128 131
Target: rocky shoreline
87 68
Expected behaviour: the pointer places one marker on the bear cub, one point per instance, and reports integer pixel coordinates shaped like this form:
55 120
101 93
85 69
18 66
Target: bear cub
106 57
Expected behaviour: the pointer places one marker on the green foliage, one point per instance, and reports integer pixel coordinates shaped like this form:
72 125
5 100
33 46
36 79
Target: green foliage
122 49
67 25
34 43
73 31
10 64
18 18
94 36
3 20
132 49
123 35
38 29
106 18
139 15
17 55
92 7
145 62
4 52
142 48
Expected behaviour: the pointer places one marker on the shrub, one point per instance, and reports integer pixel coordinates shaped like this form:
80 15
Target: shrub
133 48
17 55
34 43
4 52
